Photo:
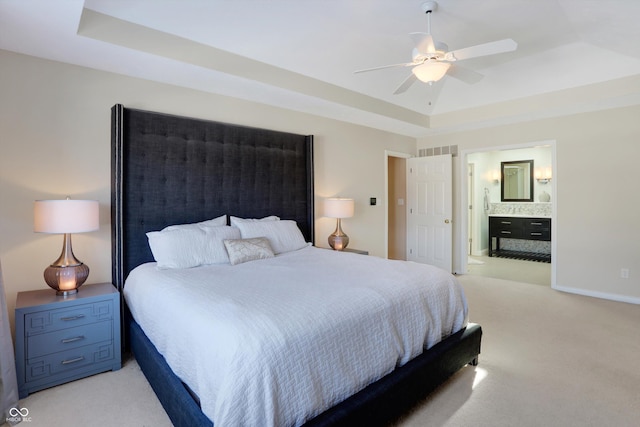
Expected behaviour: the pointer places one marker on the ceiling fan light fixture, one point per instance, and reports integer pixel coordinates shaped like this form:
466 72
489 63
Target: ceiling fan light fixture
431 71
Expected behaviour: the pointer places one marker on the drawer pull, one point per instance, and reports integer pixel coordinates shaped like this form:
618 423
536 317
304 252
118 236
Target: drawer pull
76 317
77 359
505 232
505 222
74 339
536 234
536 223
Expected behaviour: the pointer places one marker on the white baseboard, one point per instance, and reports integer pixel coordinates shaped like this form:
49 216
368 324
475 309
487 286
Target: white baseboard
601 295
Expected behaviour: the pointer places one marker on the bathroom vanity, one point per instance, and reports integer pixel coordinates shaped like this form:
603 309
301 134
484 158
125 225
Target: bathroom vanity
521 229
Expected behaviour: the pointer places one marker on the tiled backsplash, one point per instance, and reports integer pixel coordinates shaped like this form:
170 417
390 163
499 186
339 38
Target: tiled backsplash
520 208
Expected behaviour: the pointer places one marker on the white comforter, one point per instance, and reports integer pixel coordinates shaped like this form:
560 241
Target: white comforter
278 341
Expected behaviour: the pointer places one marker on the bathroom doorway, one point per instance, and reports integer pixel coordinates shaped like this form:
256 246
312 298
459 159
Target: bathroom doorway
483 194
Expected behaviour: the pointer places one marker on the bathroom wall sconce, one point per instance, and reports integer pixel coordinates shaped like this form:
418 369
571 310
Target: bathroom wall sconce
542 175
495 176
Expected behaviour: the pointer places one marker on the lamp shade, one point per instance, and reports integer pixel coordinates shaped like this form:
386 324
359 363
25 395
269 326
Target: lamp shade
431 71
65 216
337 207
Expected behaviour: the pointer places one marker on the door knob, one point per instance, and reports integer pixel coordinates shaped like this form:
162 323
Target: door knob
446 221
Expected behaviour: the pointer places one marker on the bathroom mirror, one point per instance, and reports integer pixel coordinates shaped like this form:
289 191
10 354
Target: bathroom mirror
517 181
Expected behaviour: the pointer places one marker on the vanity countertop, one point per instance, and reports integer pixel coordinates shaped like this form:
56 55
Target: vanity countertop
511 215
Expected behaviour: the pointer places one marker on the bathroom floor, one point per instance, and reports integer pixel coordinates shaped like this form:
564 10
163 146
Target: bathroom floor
510 269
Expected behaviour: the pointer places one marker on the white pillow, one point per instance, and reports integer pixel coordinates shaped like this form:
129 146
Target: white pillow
244 250
219 221
235 220
191 246
284 236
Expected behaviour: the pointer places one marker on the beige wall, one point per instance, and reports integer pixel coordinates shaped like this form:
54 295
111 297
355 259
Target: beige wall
55 141
597 202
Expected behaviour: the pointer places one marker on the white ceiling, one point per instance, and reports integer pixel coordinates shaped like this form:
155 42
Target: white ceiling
301 54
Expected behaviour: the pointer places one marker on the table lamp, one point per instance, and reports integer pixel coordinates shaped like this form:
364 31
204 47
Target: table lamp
66 274
339 208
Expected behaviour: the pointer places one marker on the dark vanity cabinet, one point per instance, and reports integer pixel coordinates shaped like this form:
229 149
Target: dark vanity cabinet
521 228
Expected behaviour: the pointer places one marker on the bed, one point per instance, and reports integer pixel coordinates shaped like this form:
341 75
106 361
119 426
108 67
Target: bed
169 170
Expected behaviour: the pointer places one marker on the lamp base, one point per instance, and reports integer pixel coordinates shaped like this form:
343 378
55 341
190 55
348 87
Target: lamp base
66 274
338 240
66 279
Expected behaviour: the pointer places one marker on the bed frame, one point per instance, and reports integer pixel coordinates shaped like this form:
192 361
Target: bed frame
170 170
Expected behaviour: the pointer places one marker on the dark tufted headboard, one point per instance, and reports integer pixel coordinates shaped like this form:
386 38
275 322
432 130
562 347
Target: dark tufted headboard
171 170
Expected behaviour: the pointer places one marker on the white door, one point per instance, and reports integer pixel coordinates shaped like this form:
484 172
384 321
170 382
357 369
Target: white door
429 210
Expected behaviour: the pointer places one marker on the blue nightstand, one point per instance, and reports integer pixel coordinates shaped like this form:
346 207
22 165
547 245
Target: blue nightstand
61 339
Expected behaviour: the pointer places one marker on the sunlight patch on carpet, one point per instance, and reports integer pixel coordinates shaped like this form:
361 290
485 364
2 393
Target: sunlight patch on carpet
481 374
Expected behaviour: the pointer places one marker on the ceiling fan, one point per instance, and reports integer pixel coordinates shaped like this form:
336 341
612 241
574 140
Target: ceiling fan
431 60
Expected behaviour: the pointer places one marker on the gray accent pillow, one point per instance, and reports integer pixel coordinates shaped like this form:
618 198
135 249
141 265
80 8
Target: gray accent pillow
244 250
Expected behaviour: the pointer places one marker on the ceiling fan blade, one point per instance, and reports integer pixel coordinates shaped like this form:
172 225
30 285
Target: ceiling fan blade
406 64
464 74
491 48
423 42
406 84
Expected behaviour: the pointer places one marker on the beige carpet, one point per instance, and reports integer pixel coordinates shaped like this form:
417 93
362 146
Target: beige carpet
548 359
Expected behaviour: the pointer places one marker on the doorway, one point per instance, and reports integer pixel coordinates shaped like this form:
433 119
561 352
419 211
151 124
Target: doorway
481 193
396 212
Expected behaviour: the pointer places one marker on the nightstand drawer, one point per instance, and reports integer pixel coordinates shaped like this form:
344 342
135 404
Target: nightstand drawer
53 320
67 339
65 361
